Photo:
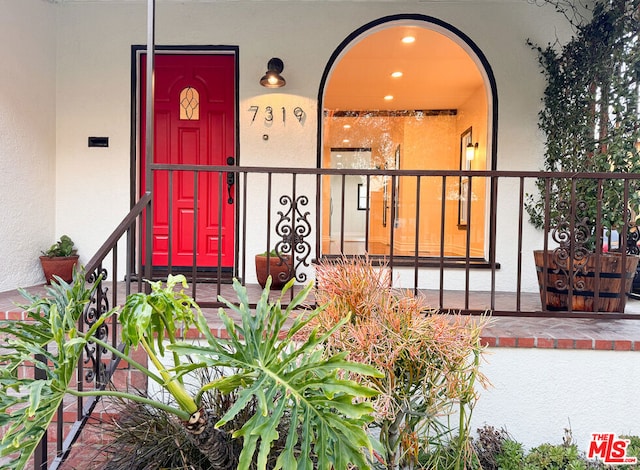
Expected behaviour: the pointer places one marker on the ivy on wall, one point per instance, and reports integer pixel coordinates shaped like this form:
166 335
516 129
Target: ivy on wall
590 114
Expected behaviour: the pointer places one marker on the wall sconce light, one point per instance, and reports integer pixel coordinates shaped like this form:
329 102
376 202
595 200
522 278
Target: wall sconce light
470 151
272 77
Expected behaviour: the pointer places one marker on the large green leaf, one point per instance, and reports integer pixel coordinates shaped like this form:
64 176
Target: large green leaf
27 406
328 414
158 314
151 320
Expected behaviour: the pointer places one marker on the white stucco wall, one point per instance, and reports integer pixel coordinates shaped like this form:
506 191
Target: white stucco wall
27 139
537 393
92 94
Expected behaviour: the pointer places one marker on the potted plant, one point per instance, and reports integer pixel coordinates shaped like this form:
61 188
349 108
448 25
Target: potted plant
274 264
590 120
59 260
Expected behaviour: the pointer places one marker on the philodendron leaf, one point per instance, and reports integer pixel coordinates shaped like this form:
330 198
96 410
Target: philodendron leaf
35 394
135 318
28 405
155 317
327 414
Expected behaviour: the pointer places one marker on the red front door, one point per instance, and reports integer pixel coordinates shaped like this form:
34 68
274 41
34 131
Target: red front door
194 125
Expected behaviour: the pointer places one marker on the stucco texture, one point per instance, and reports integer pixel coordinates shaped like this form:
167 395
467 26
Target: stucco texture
71 79
27 139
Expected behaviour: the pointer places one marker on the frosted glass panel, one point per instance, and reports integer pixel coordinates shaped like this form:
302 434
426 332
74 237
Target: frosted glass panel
189 104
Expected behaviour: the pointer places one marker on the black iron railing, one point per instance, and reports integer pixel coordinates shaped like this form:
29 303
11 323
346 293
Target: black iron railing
464 231
96 367
461 238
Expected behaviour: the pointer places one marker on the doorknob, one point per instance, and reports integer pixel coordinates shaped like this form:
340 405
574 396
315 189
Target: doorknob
231 179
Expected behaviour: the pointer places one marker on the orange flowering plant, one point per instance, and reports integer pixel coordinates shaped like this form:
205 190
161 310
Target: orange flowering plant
430 361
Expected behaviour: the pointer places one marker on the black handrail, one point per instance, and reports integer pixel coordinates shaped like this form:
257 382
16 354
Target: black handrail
98 373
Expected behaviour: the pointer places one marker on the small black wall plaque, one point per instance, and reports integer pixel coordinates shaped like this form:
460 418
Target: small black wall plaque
98 141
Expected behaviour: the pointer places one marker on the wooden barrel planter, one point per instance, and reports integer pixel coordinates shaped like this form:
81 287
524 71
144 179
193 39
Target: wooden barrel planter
609 283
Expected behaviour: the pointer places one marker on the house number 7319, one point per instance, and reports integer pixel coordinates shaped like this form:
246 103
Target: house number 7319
270 114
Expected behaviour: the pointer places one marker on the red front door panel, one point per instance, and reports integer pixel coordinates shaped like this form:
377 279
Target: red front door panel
194 125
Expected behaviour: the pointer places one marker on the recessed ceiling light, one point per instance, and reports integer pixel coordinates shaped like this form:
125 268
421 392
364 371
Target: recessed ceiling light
346 141
408 39
388 97
347 126
396 74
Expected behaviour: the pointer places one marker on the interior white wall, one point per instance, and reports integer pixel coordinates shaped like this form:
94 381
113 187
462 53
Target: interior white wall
27 138
92 94
537 393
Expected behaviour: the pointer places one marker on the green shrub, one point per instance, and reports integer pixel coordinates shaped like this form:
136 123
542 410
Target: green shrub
511 456
61 248
272 253
554 457
443 456
497 450
292 382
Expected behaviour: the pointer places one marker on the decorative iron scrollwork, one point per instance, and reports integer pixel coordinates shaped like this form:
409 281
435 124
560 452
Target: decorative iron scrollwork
574 244
572 255
293 227
98 305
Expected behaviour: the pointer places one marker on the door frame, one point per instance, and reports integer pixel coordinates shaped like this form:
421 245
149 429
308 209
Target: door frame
134 147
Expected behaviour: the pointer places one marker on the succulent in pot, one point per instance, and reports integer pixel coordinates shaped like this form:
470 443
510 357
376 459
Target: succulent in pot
59 260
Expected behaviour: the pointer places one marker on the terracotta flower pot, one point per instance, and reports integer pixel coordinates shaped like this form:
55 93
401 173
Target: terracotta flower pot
59 266
279 269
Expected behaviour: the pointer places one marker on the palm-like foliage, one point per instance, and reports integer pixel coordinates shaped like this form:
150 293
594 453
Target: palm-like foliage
326 412
130 448
50 341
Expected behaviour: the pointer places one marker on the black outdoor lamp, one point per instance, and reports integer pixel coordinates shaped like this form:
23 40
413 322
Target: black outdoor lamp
272 77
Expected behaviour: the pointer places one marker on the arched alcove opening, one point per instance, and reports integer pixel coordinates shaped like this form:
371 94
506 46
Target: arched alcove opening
413 104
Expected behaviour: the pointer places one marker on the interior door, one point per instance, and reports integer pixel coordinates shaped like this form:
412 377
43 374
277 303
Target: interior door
193 125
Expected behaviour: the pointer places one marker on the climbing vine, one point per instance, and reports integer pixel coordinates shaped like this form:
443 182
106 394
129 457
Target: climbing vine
590 114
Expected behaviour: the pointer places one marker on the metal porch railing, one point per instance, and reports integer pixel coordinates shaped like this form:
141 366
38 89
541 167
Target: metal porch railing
437 231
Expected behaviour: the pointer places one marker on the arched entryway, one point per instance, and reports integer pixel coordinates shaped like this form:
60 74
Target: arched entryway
407 92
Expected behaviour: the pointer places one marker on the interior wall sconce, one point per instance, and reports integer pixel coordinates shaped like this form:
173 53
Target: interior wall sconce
272 77
471 150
